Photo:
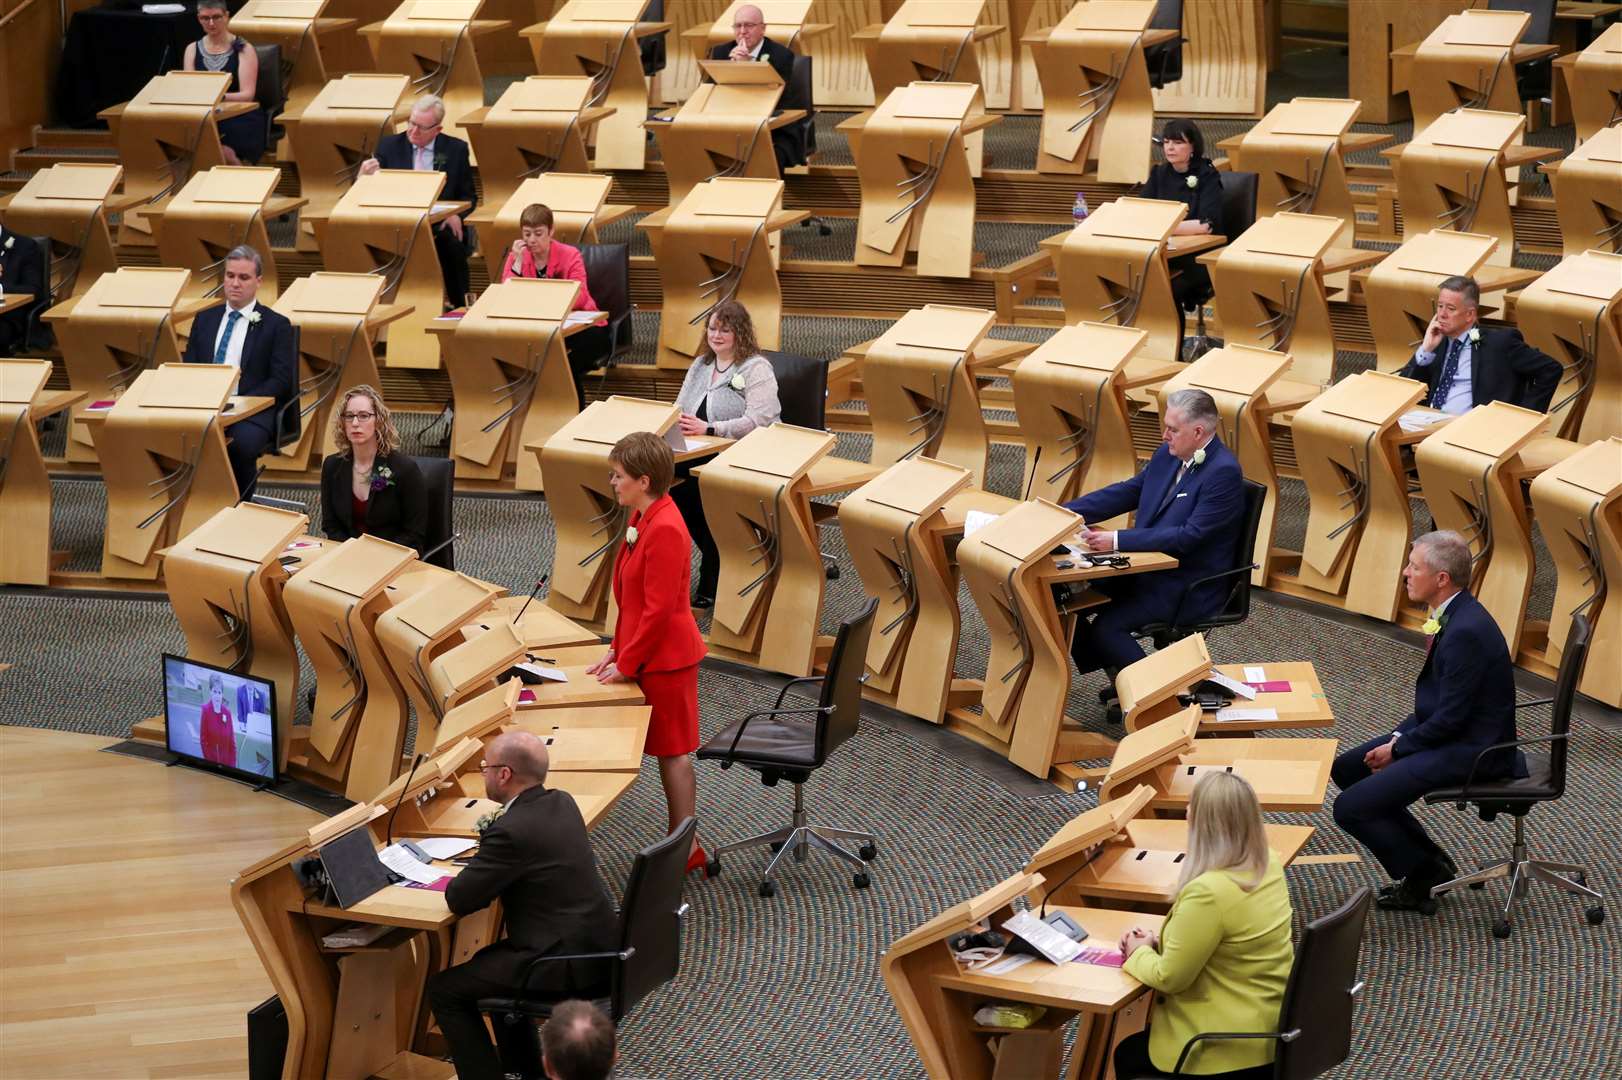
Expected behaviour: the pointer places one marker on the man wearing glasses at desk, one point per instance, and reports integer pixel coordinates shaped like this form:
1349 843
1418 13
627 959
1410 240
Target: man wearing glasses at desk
536 859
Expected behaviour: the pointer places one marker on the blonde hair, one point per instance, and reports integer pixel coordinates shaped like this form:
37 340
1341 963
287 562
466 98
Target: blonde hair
388 439
1225 831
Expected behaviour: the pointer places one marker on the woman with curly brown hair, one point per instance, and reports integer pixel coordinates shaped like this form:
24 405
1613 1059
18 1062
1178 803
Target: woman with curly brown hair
368 487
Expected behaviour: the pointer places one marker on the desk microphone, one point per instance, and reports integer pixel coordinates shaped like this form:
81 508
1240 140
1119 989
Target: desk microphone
539 585
388 836
1035 461
442 545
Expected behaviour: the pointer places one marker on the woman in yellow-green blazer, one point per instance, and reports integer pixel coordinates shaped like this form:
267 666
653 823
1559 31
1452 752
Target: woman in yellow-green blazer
1223 956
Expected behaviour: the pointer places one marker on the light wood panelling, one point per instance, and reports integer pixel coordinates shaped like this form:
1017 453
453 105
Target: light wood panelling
1377 27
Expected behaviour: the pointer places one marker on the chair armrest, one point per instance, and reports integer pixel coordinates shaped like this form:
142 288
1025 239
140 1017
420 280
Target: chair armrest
1177 614
733 749
1188 1047
1464 795
529 968
784 692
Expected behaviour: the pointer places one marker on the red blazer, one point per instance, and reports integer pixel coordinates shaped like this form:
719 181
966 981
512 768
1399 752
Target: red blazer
655 630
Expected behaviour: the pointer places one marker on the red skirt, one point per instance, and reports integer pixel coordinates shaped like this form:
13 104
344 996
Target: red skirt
673 728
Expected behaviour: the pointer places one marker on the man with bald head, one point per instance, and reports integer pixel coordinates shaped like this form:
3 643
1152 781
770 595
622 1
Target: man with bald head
750 44
535 858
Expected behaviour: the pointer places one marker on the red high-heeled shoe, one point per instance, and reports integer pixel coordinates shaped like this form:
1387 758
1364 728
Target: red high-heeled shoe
697 860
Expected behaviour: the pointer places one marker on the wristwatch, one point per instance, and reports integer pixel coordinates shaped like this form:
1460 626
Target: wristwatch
709 429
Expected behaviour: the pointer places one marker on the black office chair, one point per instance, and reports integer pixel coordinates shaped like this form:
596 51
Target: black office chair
1236 609
796 144
1165 61
290 417
653 46
1546 783
271 93
1534 80
648 957
791 744
1238 214
36 331
439 484
608 276
1315 1021
802 388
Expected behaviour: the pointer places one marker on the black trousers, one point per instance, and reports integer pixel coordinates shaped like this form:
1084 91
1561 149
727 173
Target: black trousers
454 995
587 350
1132 1063
1191 286
245 442
1106 641
12 328
690 502
452 254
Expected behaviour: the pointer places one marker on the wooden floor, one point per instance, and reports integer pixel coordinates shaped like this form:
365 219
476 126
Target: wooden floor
120 953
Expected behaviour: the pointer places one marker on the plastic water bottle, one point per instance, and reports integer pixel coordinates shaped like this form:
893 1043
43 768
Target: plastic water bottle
1079 211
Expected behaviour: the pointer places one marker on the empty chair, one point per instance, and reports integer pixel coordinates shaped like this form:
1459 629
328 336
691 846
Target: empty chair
438 534
608 277
1238 214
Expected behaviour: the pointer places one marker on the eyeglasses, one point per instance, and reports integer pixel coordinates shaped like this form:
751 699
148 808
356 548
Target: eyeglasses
352 417
483 765
211 18
414 126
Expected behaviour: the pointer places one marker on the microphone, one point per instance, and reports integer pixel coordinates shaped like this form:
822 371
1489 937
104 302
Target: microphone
388 836
1035 461
539 585
437 548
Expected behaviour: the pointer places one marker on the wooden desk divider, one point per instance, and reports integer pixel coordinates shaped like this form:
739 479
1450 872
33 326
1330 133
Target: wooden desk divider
922 395
926 41
225 586
1070 400
383 226
1578 504
913 166
510 378
1346 442
1095 92
894 531
25 485
335 133
1401 289
213 213
1594 83
338 319
417 630
1297 155
446 796
755 502
539 125
589 521
713 247
1587 198
1465 64
295 25
1270 290
1288 774
357 727
163 459
1238 378
1452 176
1148 689
1112 267
724 129
579 205
1027 676
1471 478
165 134
598 38
469 668
1574 313
68 203
432 41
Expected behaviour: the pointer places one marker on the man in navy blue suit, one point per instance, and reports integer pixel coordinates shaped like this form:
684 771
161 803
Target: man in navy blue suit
1190 503
1464 702
260 344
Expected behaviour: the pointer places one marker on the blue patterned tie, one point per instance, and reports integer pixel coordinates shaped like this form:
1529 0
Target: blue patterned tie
1450 368
225 338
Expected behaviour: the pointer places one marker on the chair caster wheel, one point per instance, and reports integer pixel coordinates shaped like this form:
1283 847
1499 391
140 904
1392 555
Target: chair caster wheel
1502 929
868 852
861 880
712 868
768 887
1596 915
832 572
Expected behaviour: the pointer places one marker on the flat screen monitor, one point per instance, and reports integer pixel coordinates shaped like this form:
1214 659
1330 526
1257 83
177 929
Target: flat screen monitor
220 719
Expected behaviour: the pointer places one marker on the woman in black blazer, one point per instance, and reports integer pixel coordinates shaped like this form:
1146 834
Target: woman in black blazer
1187 176
368 487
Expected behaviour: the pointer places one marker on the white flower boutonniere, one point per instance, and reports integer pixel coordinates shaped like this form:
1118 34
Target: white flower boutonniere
737 382
10 240
1475 335
1431 627
630 535
487 820
1199 457
1193 181
254 317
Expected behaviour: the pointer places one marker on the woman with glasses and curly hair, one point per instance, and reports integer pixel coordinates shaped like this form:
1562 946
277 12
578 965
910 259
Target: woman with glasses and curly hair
368 487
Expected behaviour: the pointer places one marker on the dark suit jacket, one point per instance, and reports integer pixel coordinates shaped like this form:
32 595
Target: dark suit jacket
22 270
1204 201
537 860
1464 700
269 362
1200 523
450 156
780 57
1503 367
399 512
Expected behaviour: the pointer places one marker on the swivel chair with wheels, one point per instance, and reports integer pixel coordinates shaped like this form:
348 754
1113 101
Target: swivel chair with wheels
1315 1022
796 144
439 532
1165 61
802 392
1238 214
608 276
791 744
1546 783
1236 609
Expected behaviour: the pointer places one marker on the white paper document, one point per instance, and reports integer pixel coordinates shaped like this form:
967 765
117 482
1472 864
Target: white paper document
550 674
445 847
1247 714
1044 938
580 318
975 520
405 864
1007 964
1233 686
1420 419
1255 673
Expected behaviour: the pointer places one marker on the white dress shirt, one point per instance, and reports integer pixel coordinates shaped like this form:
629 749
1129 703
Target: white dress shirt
239 334
1460 396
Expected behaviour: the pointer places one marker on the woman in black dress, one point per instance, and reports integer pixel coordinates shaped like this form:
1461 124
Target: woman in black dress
1187 176
242 137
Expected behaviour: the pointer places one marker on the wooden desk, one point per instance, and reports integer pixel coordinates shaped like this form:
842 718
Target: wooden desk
12 301
25 485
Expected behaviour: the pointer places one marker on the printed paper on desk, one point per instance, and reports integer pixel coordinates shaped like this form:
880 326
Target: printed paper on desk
1233 686
550 674
1007 964
1419 419
445 847
1246 714
1058 948
975 520
407 865
1255 673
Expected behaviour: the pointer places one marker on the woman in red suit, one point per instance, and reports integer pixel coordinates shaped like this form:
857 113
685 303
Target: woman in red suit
656 641
216 737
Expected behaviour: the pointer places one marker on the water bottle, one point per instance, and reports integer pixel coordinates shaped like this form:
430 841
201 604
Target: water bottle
1079 211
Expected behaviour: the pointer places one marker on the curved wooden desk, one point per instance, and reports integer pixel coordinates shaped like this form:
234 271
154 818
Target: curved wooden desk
434 43
1574 313
213 213
1096 104
165 134
25 485
1593 82
1298 153
1587 199
337 131
724 129
1112 267
579 205
1453 175
1467 62
1401 290
539 125
68 202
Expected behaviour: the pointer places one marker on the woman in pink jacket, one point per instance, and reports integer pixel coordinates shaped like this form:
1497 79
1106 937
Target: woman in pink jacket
535 254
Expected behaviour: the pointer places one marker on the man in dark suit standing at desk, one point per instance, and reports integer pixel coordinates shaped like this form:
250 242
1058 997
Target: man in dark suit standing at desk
425 147
261 345
1478 365
750 43
1189 501
535 857
1464 702
22 270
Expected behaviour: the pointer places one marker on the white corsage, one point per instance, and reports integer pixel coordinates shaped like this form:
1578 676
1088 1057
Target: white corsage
1475 335
487 820
1431 627
10 240
254 316
1193 181
1199 456
630 535
737 382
